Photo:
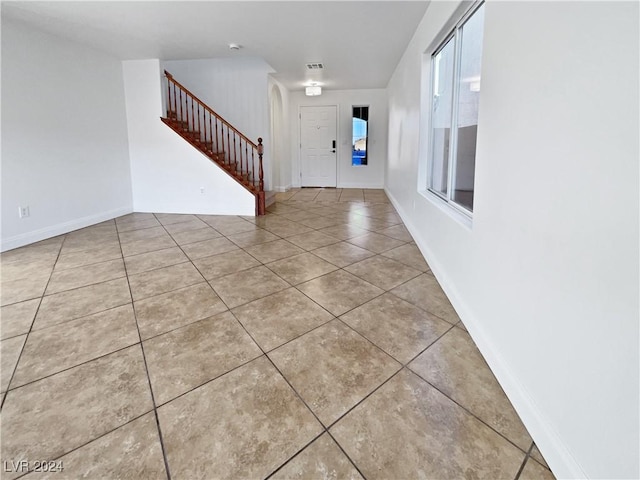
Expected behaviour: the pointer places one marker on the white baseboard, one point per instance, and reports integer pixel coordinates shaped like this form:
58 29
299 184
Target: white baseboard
282 189
554 450
54 230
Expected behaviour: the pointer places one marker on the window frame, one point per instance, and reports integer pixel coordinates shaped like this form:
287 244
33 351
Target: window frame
353 107
453 34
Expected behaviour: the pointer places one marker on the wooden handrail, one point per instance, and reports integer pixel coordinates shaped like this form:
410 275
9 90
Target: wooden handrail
216 138
206 107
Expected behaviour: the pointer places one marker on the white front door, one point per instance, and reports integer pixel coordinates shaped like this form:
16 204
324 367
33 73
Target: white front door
318 146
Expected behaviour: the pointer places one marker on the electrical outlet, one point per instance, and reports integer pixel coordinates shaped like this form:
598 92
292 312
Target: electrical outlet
23 212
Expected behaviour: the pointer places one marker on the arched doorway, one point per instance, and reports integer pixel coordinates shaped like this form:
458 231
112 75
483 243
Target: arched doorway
277 139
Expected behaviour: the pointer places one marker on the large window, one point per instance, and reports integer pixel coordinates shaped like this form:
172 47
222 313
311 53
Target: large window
359 136
455 95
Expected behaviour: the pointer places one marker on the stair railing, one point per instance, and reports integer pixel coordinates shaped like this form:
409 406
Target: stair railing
216 137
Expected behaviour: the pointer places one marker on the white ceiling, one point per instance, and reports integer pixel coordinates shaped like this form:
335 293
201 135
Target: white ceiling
359 42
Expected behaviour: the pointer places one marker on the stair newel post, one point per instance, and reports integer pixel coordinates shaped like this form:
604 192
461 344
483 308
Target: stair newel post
261 207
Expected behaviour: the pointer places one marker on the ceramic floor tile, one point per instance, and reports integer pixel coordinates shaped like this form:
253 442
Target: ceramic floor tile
280 317
27 270
331 194
344 231
188 226
375 242
245 424
82 245
322 459
130 452
88 257
399 232
455 367
397 327
243 287
272 251
142 234
154 260
333 368
339 291
301 268
87 275
145 245
66 306
137 224
162 313
312 240
74 406
425 292
534 471
343 254
171 218
408 255
17 318
195 236
9 352
31 253
288 229
57 348
163 280
253 237
225 263
349 196
229 225
207 248
296 215
535 453
383 272
320 222
14 291
189 356
407 429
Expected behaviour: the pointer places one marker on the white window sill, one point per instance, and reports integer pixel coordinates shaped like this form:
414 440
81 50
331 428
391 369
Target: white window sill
448 209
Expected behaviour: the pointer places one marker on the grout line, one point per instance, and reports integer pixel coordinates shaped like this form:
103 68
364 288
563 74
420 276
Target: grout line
26 338
146 367
524 461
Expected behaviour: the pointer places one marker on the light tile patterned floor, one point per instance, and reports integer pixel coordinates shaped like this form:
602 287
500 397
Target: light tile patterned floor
313 342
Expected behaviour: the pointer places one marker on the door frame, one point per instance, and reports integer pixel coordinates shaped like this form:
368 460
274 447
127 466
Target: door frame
300 107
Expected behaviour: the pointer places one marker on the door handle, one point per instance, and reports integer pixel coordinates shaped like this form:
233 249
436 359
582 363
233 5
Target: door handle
333 151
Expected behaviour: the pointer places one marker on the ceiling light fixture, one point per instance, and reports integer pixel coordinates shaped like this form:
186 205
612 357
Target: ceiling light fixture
313 91
234 46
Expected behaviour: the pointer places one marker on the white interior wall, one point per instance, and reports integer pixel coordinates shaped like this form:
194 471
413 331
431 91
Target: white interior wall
64 136
546 278
236 89
369 176
168 174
